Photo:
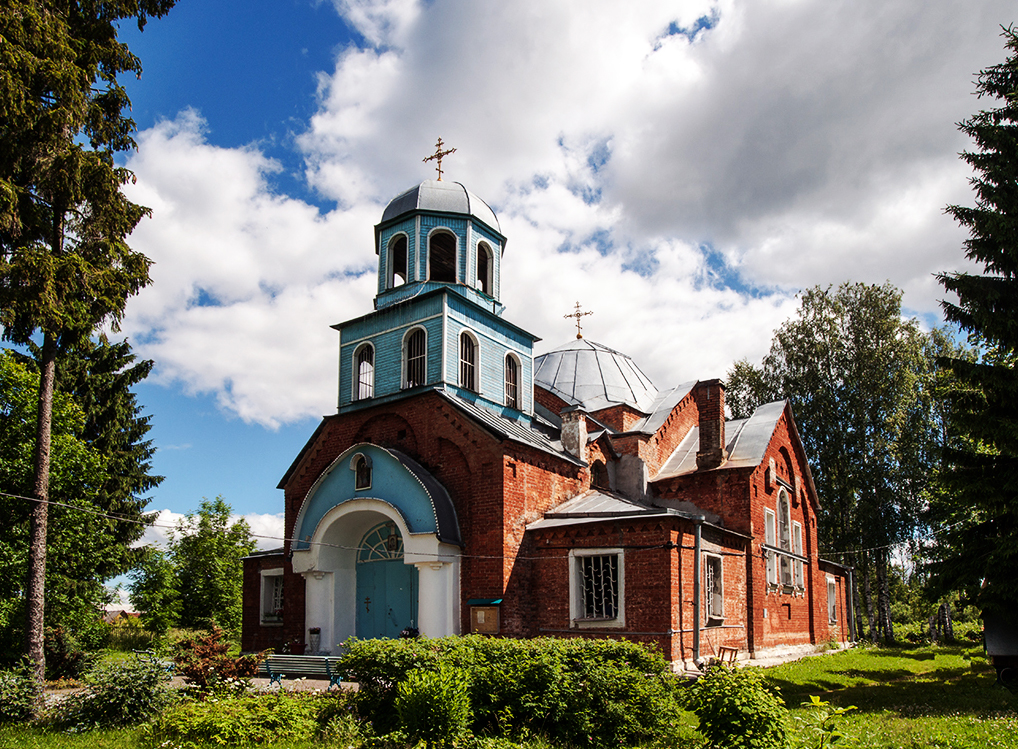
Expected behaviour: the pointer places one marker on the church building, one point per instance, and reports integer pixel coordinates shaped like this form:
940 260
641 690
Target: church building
466 485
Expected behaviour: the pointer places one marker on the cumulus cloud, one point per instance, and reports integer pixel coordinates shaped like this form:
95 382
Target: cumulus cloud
680 168
266 528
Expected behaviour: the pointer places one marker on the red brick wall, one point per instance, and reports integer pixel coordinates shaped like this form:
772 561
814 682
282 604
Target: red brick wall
255 635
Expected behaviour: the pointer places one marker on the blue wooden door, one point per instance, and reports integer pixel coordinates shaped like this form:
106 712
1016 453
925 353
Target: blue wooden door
386 587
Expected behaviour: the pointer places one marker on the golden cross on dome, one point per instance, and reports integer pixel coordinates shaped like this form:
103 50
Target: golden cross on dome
438 154
577 314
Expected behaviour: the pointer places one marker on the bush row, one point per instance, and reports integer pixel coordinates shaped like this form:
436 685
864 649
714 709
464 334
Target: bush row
589 692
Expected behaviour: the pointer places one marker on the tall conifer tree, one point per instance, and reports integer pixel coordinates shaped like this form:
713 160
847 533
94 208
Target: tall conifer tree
65 266
978 548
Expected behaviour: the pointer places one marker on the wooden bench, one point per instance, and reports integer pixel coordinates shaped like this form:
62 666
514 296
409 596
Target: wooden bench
276 667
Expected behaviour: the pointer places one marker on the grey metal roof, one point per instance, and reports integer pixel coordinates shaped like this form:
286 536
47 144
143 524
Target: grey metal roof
593 376
666 401
445 197
746 439
510 428
601 504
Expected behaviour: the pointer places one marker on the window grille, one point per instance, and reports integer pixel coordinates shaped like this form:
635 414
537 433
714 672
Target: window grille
714 588
365 372
398 261
277 593
468 357
784 522
416 359
512 383
600 586
380 544
832 601
442 257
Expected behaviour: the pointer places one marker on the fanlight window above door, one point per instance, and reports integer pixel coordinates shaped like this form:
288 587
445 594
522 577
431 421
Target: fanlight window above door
380 544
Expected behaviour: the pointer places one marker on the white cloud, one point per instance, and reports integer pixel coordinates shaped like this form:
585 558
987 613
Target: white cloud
798 142
267 529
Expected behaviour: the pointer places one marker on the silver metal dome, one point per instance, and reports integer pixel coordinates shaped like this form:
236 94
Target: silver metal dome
593 376
446 197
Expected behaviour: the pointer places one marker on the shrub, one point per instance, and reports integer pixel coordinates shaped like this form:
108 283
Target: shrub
128 634
282 717
65 657
736 710
19 694
118 694
434 706
204 659
571 690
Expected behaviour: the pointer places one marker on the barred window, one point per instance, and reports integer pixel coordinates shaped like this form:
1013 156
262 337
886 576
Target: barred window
365 372
468 362
416 359
600 586
713 587
832 601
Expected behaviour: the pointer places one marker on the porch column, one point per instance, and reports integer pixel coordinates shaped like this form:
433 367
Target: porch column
438 598
319 595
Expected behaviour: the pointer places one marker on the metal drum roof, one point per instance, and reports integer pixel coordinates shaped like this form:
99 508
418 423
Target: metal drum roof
593 376
444 197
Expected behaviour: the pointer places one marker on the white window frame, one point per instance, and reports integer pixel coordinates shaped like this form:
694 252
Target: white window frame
797 567
369 387
516 400
832 600
715 599
770 533
271 593
577 614
475 365
406 357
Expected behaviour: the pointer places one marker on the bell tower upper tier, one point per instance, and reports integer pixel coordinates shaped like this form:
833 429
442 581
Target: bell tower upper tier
439 234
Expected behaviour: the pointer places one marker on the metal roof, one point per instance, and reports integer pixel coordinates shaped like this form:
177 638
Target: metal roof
443 197
747 441
601 504
510 428
663 406
593 376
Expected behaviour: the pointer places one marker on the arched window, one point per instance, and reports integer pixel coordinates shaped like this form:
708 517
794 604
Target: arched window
361 472
365 369
784 522
484 267
442 257
468 362
397 261
512 382
415 361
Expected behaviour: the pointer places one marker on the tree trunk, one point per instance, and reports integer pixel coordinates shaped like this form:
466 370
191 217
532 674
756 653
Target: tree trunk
945 624
884 598
867 596
35 588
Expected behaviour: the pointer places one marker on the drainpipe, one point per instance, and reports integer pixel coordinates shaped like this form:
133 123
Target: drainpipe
851 604
697 533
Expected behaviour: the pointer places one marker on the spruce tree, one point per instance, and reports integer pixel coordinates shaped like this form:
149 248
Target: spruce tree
976 549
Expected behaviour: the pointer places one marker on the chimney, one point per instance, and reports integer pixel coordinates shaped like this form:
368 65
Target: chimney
574 431
710 405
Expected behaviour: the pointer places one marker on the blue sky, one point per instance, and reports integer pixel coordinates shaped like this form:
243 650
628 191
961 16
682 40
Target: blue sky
681 167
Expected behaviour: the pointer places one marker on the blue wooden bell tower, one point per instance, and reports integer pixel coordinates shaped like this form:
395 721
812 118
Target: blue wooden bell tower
438 320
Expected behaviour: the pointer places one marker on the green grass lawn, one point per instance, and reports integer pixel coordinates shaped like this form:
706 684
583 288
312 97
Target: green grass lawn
907 697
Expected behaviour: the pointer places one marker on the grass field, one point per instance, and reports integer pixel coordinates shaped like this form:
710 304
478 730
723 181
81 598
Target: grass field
905 698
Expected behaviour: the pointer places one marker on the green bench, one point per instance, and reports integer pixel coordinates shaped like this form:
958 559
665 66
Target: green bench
275 667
